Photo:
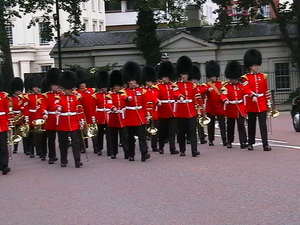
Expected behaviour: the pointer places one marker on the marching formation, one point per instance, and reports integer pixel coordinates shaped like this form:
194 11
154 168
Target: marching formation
162 104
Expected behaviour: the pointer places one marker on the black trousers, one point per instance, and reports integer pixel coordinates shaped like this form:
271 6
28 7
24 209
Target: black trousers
98 141
241 129
140 132
167 132
187 128
51 136
200 131
40 144
3 151
154 138
65 138
28 144
113 139
211 128
262 121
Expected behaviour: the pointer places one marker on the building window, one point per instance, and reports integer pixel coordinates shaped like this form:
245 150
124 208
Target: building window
113 5
282 78
86 24
9 33
95 26
43 30
46 68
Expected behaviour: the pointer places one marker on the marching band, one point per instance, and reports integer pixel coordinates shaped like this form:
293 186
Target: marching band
134 104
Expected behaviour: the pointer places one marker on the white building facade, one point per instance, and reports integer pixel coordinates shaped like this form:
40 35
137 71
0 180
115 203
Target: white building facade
30 52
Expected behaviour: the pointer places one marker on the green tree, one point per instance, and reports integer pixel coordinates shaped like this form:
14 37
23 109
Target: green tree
10 9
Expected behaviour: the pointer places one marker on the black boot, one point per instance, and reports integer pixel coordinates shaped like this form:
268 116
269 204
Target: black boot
182 154
161 151
174 152
5 170
250 147
229 145
195 154
145 156
243 145
211 143
267 148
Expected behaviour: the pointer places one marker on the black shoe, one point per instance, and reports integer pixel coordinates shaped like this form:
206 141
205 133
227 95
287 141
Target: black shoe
174 152
195 154
182 154
82 151
224 143
154 150
131 159
99 153
113 157
229 145
26 153
211 143
145 156
188 142
43 158
250 147
15 151
5 170
161 151
32 156
78 164
63 165
203 142
51 161
244 146
267 148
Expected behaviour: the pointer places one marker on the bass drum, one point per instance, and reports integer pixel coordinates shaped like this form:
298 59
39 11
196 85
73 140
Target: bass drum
296 122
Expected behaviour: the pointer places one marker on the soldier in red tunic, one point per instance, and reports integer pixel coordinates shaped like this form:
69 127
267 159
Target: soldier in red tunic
259 105
166 113
185 106
214 104
149 80
116 122
135 110
195 77
16 90
233 95
68 120
35 110
101 111
52 99
4 110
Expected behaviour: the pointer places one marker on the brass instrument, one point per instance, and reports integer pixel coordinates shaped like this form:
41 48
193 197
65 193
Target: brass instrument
38 125
152 130
15 130
89 130
273 112
203 121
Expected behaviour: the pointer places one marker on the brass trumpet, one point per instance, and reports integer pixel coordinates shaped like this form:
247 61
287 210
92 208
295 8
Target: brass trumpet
38 125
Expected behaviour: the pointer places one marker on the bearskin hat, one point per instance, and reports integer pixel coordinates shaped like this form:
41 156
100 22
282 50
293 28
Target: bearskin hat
102 79
45 85
68 80
149 74
196 74
233 70
32 81
184 65
166 69
212 69
52 76
116 78
252 57
16 84
131 71
82 76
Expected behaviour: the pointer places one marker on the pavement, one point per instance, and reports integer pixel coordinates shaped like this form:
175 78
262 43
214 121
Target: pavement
221 187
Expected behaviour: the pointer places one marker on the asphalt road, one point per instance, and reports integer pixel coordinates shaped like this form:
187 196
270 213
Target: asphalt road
221 187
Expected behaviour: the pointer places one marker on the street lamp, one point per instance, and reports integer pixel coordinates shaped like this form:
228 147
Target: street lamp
57 21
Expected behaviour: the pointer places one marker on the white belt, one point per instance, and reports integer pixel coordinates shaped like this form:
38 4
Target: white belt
68 114
32 110
258 95
185 101
166 101
102 110
118 111
51 113
134 107
16 112
235 102
2 113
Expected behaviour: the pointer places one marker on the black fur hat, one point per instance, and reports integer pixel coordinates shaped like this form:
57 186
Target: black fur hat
45 86
184 65
16 84
233 70
212 69
196 74
68 80
102 79
52 76
149 74
82 76
252 57
116 78
131 71
166 69
32 81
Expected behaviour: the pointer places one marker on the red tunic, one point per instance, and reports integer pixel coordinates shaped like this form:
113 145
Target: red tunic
4 110
101 108
152 101
166 96
68 113
135 107
257 83
234 95
214 103
52 99
118 101
35 106
88 103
